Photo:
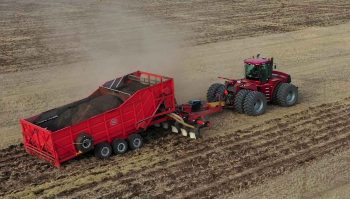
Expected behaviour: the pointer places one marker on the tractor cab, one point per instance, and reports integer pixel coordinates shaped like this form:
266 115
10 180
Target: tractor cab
259 69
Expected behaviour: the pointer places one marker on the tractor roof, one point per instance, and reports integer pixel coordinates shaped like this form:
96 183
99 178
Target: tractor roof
256 61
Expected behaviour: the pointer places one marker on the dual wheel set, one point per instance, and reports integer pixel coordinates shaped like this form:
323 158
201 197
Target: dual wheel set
254 102
84 143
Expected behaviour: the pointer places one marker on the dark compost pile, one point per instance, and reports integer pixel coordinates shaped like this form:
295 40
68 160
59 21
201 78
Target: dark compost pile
84 109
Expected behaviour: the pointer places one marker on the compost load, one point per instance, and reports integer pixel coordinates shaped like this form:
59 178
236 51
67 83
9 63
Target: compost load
84 109
78 112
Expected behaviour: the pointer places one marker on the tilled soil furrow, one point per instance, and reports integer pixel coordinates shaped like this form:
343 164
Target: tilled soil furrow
292 160
282 142
195 169
191 167
248 160
189 152
247 134
241 134
331 121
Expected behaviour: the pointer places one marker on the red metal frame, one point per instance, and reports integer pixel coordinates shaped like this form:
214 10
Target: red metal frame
198 118
136 114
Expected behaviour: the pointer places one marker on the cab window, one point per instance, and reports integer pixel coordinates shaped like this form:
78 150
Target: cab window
266 70
252 72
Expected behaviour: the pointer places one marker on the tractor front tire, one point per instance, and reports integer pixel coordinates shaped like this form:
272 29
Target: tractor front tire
287 95
239 100
213 91
255 103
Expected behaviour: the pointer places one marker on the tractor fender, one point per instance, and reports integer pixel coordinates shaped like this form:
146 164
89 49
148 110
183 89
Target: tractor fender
283 76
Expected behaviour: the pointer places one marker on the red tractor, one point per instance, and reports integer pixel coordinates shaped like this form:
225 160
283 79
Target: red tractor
261 84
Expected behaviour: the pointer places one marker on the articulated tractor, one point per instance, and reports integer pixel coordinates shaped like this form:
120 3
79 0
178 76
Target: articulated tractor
262 84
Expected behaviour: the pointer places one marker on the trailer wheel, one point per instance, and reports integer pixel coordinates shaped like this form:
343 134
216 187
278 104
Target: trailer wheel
103 150
135 141
239 100
287 95
212 92
119 146
255 103
84 143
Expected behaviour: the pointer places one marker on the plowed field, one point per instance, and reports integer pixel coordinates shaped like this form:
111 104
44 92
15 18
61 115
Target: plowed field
194 169
53 53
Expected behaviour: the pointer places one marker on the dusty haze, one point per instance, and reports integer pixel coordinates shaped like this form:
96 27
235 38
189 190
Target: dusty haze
118 43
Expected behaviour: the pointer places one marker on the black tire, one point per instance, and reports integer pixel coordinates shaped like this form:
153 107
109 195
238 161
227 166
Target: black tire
84 143
287 95
119 146
212 92
219 95
274 95
135 141
239 100
255 103
103 150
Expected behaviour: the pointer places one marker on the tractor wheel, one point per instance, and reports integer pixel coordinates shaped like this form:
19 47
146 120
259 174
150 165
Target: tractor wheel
103 150
135 141
220 93
119 146
287 95
239 100
84 143
213 91
255 103
274 95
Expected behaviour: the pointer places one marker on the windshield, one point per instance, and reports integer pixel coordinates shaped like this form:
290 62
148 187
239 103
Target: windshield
251 71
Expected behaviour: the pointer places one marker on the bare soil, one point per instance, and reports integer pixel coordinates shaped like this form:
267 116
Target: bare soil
188 169
53 53
36 34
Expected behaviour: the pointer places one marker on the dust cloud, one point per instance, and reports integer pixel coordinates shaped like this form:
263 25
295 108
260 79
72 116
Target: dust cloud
118 40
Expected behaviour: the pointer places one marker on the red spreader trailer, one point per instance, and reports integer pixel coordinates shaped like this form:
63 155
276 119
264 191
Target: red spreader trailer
111 119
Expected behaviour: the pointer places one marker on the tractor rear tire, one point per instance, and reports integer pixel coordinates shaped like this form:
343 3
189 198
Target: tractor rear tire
287 95
119 146
274 95
135 141
103 150
213 91
255 103
239 100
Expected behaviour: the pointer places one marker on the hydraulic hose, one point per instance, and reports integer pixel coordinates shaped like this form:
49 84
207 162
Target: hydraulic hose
179 119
